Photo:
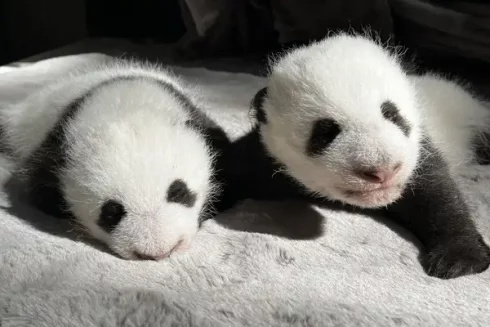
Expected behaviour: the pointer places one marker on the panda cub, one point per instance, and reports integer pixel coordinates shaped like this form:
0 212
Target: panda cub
123 149
340 122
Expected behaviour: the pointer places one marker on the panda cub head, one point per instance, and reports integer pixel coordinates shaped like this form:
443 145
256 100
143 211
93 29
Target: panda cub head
138 176
341 116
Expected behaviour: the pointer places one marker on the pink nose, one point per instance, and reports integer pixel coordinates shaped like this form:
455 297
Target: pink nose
155 256
380 175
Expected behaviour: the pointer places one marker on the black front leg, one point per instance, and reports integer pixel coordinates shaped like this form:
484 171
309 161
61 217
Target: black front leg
434 209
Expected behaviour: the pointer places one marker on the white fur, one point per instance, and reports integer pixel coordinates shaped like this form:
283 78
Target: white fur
453 117
129 142
345 78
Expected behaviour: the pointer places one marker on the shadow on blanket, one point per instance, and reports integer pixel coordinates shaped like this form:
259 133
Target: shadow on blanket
16 197
296 219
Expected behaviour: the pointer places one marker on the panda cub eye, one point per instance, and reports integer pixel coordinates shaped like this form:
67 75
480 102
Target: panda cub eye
111 213
323 133
178 192
391 113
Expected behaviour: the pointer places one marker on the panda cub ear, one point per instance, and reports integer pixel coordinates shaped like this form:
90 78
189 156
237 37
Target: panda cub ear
257 106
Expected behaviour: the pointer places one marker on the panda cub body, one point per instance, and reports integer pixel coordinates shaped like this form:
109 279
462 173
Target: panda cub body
456 120
341 123
122 148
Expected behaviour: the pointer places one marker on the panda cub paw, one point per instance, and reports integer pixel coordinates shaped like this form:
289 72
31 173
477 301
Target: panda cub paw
457 256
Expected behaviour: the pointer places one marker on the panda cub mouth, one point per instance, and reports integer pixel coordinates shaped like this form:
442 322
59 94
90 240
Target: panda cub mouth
382 195
349 192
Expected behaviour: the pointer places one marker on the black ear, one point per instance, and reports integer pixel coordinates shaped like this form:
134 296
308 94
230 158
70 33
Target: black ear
257 105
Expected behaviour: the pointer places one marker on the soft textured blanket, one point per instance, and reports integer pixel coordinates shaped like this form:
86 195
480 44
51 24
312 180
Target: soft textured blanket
261 264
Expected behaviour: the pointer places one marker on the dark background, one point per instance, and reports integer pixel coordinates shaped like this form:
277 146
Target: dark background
28 27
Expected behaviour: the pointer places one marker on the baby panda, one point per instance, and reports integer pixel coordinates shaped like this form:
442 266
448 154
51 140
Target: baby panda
341 123
122 148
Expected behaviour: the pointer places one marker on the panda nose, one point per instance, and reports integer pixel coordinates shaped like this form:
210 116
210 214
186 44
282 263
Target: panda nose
379 175
156 256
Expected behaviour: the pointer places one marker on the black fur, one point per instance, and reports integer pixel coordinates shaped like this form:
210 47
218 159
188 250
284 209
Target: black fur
323 133
186 103
214 135
431 207
257 105
200 122
482 148
390 112
111 213
249 172
434 209
45 164
178 192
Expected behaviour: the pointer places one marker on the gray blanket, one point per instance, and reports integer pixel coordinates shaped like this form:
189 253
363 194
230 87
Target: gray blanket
261 264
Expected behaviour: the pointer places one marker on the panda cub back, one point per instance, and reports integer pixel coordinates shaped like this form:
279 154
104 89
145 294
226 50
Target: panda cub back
456 119
122 148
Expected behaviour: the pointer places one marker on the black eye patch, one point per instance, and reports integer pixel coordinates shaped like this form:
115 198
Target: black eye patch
323 133
111 214
178 192
391 113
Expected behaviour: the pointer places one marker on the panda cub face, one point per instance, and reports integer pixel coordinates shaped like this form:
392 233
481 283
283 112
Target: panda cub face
137 177
341 116
142 201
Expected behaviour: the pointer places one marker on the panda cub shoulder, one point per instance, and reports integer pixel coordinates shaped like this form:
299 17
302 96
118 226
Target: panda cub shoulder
123 148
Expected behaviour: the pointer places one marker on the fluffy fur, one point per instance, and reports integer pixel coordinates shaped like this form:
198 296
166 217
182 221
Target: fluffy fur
343 123
123 149
250 267
357 76
456 119
330 79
